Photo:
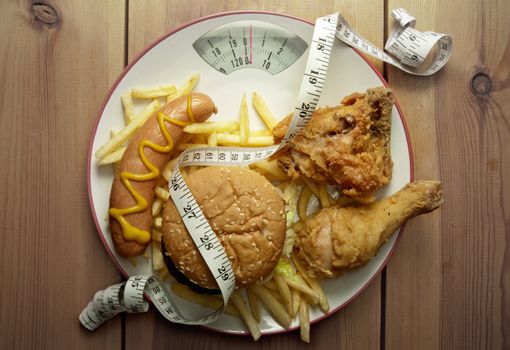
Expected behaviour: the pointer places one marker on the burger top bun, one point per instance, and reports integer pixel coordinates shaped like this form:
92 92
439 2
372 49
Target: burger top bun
244 210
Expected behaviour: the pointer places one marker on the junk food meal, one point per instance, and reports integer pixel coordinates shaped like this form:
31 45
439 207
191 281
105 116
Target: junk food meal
278 250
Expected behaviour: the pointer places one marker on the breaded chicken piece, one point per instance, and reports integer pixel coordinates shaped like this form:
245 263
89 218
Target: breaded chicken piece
336 239
348 145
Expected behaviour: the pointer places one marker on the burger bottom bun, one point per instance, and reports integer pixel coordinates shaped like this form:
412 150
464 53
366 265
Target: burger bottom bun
247 214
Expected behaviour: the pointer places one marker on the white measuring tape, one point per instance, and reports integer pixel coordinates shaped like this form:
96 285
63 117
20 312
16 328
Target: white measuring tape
407 44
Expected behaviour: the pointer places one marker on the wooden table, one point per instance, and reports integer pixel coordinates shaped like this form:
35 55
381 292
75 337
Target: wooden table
448 284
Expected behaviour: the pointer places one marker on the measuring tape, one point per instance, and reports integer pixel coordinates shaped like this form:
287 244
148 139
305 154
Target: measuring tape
407 44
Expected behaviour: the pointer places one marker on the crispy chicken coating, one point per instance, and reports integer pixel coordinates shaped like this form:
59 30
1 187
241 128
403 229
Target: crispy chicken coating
338 239
347 145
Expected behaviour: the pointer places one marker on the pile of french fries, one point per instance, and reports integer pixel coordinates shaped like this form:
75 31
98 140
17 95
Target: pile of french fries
289 292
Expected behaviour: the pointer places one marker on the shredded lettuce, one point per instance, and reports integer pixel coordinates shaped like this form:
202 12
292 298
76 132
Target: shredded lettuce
290 196
284 268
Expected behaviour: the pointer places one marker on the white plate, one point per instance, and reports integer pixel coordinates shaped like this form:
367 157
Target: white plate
172 59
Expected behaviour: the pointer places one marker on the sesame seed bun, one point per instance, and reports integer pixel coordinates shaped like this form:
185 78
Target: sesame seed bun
247 214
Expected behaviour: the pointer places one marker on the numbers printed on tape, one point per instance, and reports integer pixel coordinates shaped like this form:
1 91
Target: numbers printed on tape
408 45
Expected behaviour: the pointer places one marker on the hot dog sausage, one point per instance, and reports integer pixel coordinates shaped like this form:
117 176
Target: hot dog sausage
131 230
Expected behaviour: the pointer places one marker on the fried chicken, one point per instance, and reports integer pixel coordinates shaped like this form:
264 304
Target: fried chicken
336 239
348 145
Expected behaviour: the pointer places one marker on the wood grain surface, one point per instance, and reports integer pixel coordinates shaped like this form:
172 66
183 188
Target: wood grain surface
446 287
52 81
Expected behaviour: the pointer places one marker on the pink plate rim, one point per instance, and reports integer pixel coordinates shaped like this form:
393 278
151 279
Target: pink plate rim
147 49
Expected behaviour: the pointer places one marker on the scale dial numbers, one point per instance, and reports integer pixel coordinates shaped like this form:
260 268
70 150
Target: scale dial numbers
250 44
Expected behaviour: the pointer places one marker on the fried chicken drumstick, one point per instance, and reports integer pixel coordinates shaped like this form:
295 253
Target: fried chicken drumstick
336 239
348 145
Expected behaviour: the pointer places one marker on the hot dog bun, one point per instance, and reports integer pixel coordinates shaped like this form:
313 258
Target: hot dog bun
202 107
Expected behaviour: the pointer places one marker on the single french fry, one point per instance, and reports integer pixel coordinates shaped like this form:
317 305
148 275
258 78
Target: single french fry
313 186
113 157
202 299
210 127
302 203
157 258
263 111
304 321
128 131
246 315
324 196
158 222
161 193
184 89
153 92
284 291
296 301
299 284
271 285
156 235
276 294
168 169
254 304
313 283
270 167
157 205
253 141
128 107
274 307
212 140
244 122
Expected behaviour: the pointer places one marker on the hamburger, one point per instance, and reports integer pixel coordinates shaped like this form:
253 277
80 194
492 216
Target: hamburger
245 211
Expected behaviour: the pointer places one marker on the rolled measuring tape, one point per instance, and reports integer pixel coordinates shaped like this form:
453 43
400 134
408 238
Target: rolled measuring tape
404 42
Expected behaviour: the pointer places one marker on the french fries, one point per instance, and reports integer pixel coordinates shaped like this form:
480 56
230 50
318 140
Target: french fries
304 321
274 307
162 194
283 289
123 135
324 196
263 111
253 141
185 89
270 167
212 140
299 284
153 92
314 284
244 123
248 318
302 203
157 257
254 304
113 157
296 301
211 127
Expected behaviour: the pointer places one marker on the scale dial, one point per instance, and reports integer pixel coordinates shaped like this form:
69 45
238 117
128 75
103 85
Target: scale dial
250 44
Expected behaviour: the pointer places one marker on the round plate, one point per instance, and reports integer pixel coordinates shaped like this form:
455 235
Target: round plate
172 59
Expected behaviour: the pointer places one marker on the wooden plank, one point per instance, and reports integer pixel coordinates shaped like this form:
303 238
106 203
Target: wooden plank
53 78
448 286
358 325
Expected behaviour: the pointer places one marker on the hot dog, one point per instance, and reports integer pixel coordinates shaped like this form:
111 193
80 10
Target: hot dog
133 186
